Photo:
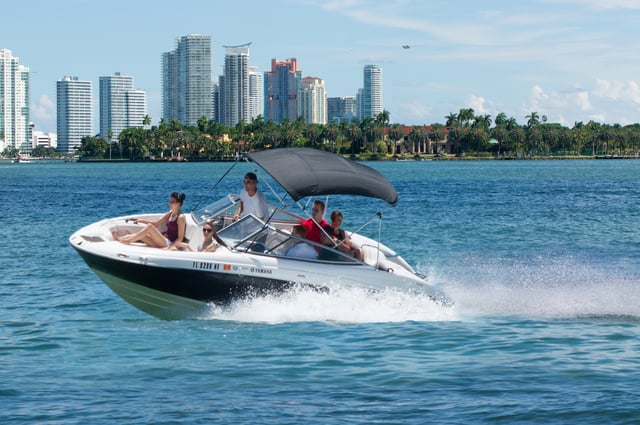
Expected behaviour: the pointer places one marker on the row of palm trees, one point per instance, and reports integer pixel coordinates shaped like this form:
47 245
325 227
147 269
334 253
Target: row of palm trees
463 133
473 134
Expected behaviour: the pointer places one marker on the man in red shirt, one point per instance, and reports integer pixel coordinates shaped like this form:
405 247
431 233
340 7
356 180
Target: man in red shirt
316 222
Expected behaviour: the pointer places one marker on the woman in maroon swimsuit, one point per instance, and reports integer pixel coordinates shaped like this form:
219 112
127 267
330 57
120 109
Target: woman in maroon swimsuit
174 220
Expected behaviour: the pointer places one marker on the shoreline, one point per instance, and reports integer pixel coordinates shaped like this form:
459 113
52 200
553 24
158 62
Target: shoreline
396 158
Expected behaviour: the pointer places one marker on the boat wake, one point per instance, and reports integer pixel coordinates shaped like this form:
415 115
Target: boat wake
542 289
341 305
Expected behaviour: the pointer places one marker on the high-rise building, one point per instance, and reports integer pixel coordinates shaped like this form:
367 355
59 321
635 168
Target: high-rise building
136 108
186 80
121 106
312 101
236 85
15 131
371 92
281 86
256 93
75 112
341 109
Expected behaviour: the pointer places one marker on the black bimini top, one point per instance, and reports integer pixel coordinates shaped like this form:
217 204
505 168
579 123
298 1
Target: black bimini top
309 172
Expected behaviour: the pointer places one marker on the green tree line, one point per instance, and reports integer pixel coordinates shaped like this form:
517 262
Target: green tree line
462 134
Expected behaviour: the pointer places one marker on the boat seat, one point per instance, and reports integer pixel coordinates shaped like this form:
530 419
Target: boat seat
374 257
278 242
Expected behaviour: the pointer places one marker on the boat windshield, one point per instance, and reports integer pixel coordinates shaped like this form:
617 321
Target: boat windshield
220 212
251 234
241 229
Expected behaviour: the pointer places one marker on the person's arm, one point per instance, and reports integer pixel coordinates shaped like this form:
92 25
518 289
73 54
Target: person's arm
156 223
237 214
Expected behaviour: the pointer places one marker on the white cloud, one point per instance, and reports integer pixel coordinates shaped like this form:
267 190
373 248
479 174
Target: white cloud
413 111
44 109
545 102
477 103
618 90
607 101
600 5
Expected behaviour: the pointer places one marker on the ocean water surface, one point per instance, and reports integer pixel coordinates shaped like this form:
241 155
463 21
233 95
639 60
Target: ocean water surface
540 258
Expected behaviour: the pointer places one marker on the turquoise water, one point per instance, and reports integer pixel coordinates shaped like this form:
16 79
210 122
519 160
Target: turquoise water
542 260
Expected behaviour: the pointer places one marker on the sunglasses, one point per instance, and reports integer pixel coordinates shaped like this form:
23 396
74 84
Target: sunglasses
207 230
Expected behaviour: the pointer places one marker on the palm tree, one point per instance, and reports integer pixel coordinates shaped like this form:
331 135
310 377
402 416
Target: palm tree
466 116
533 119
436 135
452 119
330 133
146 121
417 137
501 119
396 134
110 137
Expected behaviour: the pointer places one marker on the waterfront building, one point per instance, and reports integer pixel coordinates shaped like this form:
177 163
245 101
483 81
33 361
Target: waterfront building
312 101
256 93
186 80
47 140
15 131
121 106
281 86
74 106
236 85
371 101
341 109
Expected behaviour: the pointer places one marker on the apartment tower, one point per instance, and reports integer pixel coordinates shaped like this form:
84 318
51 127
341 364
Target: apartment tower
186 80
74 112
235 94
121 106
15 131
281 86
371 97
312 101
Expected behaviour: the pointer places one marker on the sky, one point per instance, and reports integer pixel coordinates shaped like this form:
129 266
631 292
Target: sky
571 60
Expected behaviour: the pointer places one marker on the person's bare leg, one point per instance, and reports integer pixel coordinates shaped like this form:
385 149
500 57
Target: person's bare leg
149 235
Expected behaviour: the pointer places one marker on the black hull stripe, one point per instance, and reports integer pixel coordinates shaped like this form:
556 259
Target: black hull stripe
204 286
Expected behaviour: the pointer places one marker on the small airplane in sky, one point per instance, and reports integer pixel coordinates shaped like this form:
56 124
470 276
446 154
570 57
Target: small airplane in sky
406 46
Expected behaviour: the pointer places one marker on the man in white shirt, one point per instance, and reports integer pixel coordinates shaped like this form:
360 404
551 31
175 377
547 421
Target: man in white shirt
252 200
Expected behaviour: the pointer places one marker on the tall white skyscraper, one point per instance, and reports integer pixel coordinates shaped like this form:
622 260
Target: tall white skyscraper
236 85
312 101
75 112
15 131
186 80
256 93
121 106
136 108
371 92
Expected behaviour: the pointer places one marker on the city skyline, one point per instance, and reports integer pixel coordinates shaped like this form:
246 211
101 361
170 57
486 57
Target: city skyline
571 60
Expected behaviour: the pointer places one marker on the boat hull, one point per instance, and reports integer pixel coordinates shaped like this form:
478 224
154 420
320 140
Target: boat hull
172 284
179 293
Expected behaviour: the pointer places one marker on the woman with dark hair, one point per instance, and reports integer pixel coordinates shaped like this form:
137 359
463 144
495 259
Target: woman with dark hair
174 220
342 238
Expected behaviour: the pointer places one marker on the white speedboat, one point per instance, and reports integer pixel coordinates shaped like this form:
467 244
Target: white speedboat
184 284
